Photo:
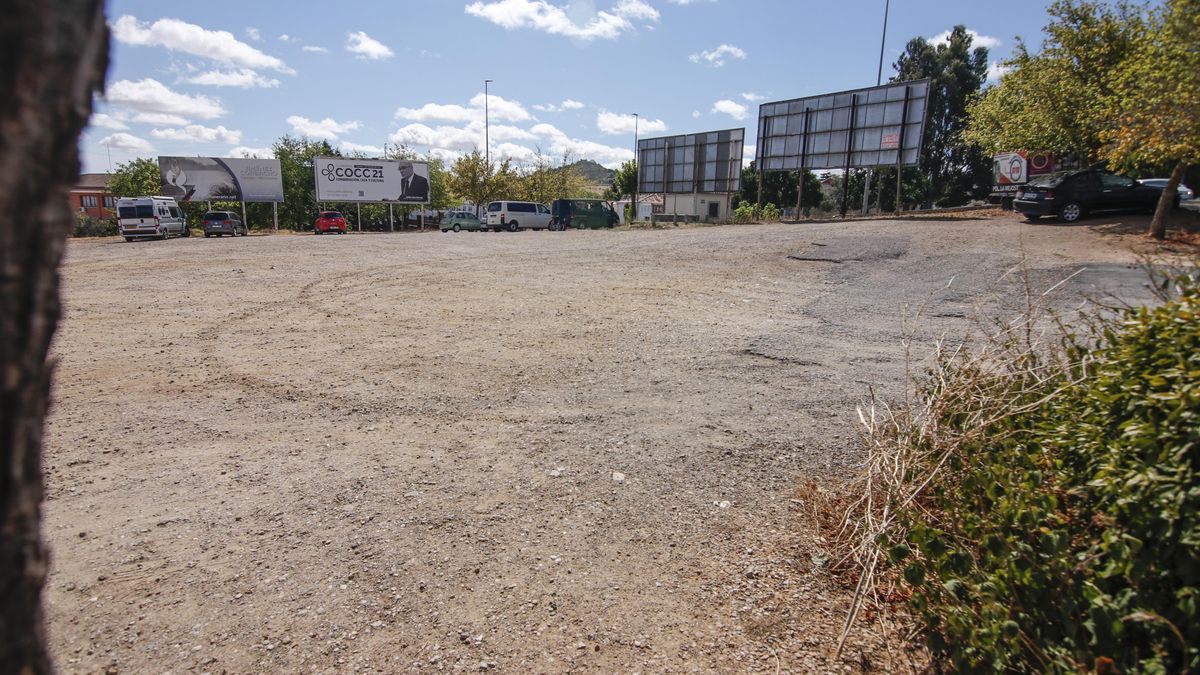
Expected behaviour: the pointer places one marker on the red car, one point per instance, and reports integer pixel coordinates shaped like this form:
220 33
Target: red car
330 221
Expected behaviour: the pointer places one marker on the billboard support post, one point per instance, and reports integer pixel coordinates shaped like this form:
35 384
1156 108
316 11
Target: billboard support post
391 219
247 225
849 154
358 216
900 150
803 164
275 215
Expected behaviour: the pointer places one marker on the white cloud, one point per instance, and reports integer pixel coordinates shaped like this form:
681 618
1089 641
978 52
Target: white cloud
367 47
254 34
260 153
177 35
287 38
327 128
752 97
732 108
243 78
123 141
369 150
562 145
161 119
997 70
977 40
543 16
195 133
105 121
312 48
498 109
515 152
695 114
686 2
612 123
571 104
453 138
715 58
152 96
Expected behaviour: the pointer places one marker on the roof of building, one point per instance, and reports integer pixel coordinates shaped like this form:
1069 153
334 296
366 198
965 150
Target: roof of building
92 181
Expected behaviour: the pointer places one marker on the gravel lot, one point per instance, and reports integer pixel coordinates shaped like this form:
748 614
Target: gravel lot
525 452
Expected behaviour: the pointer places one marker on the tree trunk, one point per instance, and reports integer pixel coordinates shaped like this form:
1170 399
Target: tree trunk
1158 225
55 53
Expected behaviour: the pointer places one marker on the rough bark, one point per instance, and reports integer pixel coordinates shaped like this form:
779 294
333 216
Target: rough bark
1158 224
55 54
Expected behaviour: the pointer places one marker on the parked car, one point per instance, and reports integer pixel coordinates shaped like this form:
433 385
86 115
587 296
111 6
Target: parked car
460 220
1072 194
224 222
581 213
516 216
1185 192
150 217
330 221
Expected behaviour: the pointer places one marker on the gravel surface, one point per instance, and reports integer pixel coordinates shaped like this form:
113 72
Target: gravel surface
524 452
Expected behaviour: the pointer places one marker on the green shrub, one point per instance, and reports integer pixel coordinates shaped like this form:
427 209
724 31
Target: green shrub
1052 516
86 226
747 212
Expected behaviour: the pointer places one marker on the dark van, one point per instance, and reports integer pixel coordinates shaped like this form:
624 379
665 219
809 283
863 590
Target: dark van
582 213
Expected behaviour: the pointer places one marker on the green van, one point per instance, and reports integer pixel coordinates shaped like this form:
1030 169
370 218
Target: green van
582 213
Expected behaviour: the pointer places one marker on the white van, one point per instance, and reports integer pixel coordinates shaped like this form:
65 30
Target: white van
516 216
159 217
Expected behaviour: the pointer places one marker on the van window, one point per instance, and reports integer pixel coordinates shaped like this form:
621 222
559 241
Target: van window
542 209
143 211
127 212
494 207
175 212
519 207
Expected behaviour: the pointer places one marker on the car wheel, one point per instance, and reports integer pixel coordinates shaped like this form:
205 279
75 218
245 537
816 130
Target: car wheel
162 233
187 231
457 228
1070 212
513 226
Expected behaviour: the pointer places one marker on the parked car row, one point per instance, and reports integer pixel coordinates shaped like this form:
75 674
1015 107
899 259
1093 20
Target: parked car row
515 216
1070 195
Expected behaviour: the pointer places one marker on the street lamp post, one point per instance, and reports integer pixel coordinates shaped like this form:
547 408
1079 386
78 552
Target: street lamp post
878 81
636 168
487 146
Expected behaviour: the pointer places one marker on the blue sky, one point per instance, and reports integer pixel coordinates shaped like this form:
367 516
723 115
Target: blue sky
227 79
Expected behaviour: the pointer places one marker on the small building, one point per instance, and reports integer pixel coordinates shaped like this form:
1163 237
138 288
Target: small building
706 207
90 195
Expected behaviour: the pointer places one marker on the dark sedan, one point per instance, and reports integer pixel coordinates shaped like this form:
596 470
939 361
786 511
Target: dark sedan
1072 194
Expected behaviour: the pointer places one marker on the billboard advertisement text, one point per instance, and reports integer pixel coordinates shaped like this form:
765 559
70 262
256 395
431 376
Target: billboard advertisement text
371 180
199 179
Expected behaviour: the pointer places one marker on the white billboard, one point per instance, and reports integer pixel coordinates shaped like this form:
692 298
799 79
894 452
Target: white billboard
199 179
371 180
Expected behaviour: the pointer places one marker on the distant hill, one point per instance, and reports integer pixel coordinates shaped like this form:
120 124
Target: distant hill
593 172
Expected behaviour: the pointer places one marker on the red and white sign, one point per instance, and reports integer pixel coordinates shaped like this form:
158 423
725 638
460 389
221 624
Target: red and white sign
890 141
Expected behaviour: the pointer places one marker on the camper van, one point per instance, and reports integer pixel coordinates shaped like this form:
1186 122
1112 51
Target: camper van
150 217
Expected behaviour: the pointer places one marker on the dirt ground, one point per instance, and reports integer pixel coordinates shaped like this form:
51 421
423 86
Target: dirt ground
529 452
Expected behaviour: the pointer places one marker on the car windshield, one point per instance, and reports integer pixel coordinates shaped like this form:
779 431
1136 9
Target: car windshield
216 216
331 214
1049 180
493 207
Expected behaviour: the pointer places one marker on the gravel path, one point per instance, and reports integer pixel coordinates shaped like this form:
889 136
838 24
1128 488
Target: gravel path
523 452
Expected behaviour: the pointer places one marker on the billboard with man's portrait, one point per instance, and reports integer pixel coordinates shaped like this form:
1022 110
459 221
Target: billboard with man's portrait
371 180
199 179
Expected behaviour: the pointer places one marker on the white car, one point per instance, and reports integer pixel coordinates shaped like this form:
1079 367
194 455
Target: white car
150 217
1185 192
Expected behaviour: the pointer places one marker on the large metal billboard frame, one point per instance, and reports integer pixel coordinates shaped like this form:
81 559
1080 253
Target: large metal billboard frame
855 129
199 179
340 179
705 162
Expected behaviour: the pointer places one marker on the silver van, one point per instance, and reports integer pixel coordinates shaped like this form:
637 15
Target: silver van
517 216
150 217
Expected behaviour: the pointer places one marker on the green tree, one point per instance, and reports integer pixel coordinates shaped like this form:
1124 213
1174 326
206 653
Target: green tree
295 156
778 187
544 182
1051 101
473 180
1154 99
135 178
624 181
957 170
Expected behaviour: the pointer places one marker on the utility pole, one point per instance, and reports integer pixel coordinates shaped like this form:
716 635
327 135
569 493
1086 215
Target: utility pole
637 169
487 146
879 81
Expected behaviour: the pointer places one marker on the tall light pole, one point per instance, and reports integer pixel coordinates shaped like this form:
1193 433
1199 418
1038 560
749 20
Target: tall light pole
878 81
637 169
487 146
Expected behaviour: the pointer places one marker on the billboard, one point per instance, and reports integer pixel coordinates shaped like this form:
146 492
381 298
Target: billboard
875 126
371 180
1011 170
199 179
704 162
